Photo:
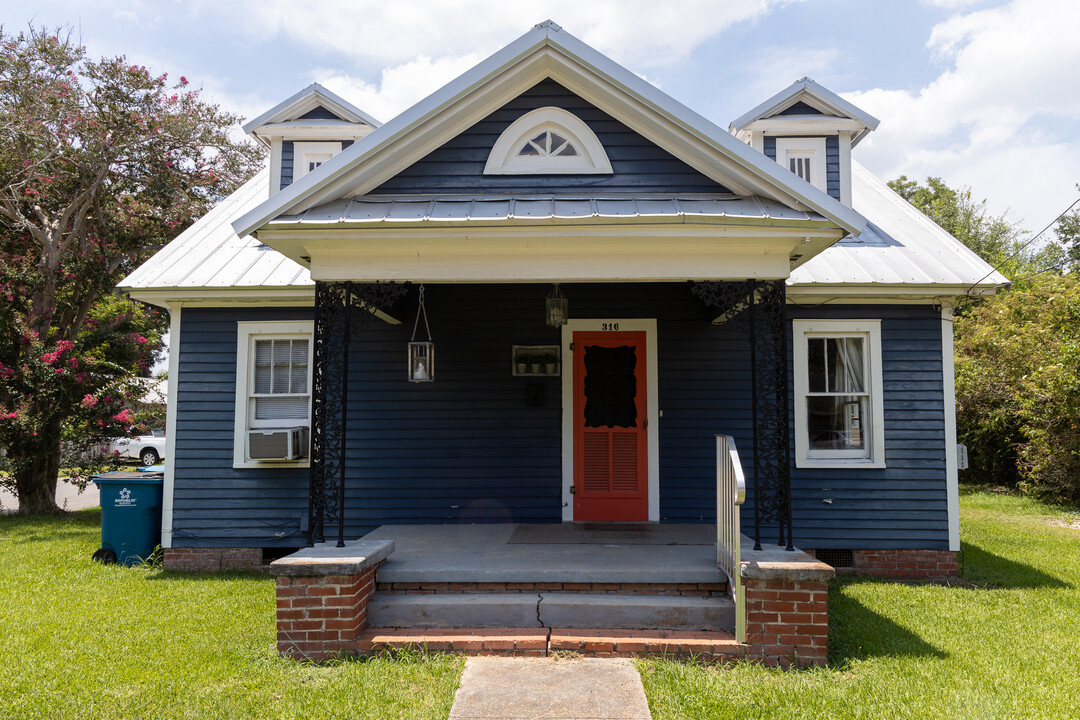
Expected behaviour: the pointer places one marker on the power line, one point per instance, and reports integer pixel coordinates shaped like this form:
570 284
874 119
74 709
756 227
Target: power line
1023 247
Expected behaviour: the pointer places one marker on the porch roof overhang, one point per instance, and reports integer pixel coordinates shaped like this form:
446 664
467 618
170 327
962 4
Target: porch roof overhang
550 239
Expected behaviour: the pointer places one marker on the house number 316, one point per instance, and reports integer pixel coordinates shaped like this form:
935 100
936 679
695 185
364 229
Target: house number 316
609 326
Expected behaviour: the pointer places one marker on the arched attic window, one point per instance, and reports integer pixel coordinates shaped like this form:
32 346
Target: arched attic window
548 141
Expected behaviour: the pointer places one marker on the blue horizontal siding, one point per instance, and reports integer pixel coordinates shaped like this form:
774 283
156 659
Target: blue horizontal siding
213 504
904 504
638 165
466 448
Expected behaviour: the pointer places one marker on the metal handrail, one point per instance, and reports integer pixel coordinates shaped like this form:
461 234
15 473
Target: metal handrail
730 494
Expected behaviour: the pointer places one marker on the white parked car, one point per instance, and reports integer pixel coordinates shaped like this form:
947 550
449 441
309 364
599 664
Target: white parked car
147 449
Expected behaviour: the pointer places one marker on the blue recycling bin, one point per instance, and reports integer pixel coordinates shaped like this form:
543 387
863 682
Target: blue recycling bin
130 516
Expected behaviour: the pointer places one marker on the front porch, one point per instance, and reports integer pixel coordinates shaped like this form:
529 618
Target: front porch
532 589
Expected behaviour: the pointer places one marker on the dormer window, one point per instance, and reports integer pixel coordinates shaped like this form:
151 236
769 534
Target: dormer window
547 141
804 156
309 155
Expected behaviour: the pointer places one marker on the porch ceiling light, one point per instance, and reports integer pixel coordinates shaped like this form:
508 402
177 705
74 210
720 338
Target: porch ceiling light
556 307
421 354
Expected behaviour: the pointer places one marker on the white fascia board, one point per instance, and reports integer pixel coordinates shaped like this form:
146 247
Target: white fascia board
535 255
815 95
217 297
314 130
866 293
306 100
546 51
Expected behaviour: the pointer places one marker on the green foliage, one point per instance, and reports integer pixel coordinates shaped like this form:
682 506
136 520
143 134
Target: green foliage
1018 387
101 163
1068 236
994 239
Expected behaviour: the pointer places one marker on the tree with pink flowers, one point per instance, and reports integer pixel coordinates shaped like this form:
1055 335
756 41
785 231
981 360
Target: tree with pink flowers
101 164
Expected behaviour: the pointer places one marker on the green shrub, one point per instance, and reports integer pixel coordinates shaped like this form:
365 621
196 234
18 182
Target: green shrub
1018 387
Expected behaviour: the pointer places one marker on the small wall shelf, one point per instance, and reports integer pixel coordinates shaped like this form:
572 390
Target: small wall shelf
535 360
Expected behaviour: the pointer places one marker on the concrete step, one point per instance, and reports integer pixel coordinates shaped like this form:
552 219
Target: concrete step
566 610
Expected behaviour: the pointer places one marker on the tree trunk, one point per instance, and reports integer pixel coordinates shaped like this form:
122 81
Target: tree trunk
35 483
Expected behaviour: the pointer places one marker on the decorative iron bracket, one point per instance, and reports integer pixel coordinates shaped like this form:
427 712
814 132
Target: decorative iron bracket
342 310
758 309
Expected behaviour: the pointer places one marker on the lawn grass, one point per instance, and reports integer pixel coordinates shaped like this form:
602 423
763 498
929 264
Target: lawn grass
83 640
1004 643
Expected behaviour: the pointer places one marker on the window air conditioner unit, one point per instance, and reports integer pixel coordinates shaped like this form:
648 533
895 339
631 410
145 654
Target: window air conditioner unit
278 444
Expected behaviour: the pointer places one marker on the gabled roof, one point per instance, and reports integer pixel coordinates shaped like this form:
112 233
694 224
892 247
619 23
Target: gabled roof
816 96
311 97
548 51
899 247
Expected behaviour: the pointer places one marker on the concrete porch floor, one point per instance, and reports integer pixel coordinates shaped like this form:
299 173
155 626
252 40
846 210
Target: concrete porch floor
483 553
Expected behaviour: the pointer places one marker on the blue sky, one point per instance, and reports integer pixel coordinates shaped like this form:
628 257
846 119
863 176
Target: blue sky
983 93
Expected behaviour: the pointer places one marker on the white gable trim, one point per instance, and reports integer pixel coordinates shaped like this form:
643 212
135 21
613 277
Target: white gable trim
816 96
545 52
504 158
311 97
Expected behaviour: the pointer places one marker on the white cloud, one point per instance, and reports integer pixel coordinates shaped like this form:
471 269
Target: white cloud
399 87
1002 115
640 32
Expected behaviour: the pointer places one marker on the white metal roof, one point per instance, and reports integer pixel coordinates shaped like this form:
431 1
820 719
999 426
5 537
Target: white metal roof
396 209
900 246
210 255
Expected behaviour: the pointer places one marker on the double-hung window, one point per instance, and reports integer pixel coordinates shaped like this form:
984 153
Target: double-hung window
839 419
273 393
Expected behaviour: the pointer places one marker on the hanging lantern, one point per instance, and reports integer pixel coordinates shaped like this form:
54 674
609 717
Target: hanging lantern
556 307
421 354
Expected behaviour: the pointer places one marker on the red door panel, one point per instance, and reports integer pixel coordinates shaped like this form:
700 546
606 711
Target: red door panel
610 428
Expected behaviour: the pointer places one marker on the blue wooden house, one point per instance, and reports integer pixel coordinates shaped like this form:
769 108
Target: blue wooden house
537 297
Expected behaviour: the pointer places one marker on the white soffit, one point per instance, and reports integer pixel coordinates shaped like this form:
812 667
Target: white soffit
210 255
547 51
899 247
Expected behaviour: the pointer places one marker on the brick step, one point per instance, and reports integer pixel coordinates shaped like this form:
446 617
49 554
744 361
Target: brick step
578 610
530 641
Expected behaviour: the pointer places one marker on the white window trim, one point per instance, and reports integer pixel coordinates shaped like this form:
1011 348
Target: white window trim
812 147
871 331
246 334
303 150
591 160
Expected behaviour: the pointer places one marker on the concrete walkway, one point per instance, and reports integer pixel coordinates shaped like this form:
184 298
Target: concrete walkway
501 688
67 497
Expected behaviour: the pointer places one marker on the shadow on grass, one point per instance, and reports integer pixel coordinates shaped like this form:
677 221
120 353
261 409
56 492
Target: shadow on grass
856 633
985 569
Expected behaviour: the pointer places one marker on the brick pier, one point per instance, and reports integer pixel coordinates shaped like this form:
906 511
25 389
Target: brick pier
322 596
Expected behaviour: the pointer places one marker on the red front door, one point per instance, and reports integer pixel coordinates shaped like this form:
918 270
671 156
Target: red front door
610 442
